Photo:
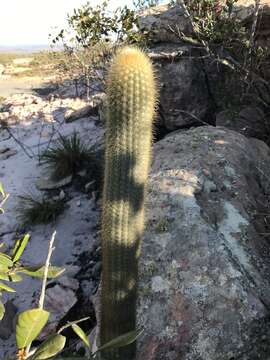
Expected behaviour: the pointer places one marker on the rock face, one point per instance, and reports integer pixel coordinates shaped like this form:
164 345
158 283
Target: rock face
162 21
190 86
184 98
205 266
244 10
249 121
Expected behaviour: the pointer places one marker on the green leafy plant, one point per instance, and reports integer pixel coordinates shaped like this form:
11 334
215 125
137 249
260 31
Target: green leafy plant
89 40
31 322
93 25
131 92
144 4
12 269
67 157
35 209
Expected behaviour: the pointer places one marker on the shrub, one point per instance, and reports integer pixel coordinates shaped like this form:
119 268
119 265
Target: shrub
67 157
39 210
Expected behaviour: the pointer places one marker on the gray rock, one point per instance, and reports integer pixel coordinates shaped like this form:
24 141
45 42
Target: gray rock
163 22
68 282
204 289
89 110
183 95
86 111
244 10
7 324
49 184
249 121
58 301
6 153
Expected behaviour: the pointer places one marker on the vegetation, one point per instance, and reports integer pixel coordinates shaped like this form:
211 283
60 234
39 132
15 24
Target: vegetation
67 157
39 210
131 104
6 57
30 323
232 50
97 33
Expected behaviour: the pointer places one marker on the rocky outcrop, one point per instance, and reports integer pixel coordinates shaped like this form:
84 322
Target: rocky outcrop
164 22
205 266
249 121
193 87
244 10
184 98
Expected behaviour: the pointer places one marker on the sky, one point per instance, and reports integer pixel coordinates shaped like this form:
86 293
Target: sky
28 22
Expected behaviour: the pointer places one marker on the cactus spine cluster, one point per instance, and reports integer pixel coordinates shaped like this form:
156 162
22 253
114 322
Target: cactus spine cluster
131 98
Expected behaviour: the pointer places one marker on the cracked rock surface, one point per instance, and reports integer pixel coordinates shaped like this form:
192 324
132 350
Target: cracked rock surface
205 266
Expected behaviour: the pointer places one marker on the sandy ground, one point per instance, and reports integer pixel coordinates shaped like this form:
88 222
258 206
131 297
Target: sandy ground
13 85
19 175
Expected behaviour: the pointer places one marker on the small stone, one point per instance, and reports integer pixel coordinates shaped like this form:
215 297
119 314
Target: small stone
89 185
86 111
62 195
68 282
7 154
82 173
49 184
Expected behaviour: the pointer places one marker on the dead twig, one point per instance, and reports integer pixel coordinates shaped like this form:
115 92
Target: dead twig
46 270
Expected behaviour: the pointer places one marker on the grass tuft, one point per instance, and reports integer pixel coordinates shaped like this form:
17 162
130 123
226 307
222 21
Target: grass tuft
39 210
67 157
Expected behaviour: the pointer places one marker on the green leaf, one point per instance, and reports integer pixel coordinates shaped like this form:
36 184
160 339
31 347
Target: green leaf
4 275
29 325
38 271
50 347
19 248
2 310
7 276
2 192
122 340
6 288
5 261
79 331
15 277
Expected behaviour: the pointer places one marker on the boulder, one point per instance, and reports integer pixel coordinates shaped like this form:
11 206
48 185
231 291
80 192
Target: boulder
204 290
249 121
244 10
164 22
183 94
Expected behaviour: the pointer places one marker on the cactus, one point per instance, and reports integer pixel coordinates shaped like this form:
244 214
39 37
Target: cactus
131 93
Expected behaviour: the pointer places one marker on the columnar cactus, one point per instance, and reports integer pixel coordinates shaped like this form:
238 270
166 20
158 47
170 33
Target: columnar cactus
131 93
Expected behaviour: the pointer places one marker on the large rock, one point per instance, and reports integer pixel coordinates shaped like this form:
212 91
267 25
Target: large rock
183 94
244 10
164 22
249 121
205 266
